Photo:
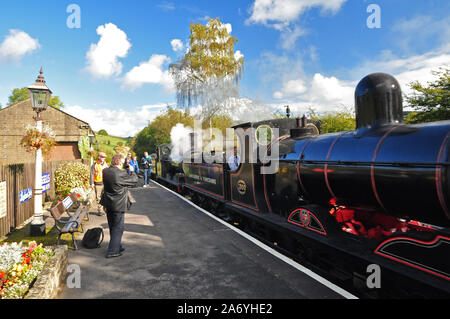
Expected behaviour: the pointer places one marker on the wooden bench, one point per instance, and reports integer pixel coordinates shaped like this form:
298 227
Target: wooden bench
75 221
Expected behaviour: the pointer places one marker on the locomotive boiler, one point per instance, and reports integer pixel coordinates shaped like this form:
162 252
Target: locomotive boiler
376 195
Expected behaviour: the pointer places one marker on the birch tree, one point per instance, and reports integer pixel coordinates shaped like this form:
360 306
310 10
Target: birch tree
209 73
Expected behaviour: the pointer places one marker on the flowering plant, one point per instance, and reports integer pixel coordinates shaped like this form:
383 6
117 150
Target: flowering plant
71 175
34 140
82 194
19 267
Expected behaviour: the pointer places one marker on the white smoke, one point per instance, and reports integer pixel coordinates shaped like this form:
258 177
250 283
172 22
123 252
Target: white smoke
180 141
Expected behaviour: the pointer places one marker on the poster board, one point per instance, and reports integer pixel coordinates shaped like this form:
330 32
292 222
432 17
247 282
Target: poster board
3 199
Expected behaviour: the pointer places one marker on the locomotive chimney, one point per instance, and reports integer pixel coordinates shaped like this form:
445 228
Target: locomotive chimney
301 129
378 101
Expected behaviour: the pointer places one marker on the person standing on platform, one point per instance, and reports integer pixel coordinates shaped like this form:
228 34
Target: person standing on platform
126 166
96 179
146 167
116 201
134 162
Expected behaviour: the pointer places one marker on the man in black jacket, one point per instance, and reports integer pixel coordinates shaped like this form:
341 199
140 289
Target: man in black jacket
116 201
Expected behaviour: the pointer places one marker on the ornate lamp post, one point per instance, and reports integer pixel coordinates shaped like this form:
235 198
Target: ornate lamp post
40 96
91 145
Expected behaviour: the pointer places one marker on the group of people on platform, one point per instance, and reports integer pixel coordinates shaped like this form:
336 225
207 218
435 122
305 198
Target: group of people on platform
110 185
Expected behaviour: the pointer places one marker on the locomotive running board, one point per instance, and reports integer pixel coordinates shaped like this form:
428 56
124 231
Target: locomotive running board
431 257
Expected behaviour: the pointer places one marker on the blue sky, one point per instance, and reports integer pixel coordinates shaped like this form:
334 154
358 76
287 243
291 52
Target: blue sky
112 71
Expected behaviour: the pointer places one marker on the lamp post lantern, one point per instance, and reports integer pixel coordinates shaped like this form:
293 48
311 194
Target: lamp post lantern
40 96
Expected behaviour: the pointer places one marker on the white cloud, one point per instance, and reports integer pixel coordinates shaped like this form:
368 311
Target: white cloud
166 6
291 88
177 45
419 32
240 110
150 71
238 55
280 13
329 93
323 94
122 123
102 58
16 45
289 37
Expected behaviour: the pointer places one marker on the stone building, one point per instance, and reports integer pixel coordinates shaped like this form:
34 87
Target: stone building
15 118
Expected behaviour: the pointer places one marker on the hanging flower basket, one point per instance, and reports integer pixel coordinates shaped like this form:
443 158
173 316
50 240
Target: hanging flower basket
34 140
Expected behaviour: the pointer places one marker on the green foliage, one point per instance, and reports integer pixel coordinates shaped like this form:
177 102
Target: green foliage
19 95
56 102
432 102
102 132
336 121
84 146
158 131
108 143
71 175
122 150
280 115
210 57
219 121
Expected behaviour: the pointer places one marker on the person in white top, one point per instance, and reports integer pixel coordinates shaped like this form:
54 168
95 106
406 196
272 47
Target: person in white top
234 160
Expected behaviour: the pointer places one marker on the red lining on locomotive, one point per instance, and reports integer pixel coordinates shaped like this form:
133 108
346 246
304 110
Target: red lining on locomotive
312 215
372 167
325 169
429 243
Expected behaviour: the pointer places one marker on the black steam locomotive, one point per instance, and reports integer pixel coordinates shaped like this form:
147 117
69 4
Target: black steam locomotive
340 202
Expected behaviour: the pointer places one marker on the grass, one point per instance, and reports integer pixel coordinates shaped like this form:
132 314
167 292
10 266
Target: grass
49 239
107 143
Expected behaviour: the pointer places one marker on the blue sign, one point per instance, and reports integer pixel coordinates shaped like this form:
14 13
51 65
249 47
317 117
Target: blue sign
25 195
45 182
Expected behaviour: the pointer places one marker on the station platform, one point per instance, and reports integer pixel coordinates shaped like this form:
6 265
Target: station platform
176 251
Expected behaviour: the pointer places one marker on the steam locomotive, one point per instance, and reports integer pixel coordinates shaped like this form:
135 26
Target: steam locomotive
340 202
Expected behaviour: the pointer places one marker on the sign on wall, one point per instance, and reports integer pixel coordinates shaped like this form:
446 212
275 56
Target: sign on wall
2 199
45 182
25 195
